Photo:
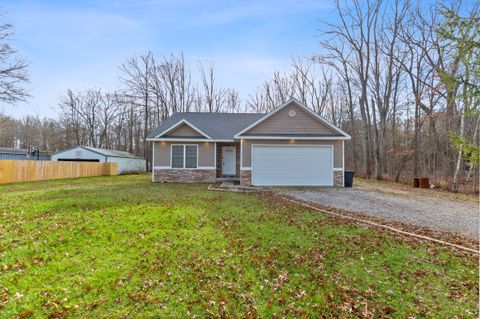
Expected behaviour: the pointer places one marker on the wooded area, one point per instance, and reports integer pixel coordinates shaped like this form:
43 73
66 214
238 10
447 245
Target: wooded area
401 77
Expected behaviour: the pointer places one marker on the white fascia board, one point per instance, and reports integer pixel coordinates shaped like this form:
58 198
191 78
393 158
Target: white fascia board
173 139
302 106
183 121
166 139
286 137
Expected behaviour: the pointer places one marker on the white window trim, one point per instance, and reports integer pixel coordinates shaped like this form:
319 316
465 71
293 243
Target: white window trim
331 146
184 156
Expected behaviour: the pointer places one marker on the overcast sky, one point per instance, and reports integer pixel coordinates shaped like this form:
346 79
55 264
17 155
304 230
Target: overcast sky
76 44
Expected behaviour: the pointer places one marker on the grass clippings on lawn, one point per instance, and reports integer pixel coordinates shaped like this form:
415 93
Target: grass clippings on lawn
122 246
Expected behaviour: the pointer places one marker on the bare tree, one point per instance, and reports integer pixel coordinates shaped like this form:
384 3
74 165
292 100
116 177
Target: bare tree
214 97
137 74
355 28
13 68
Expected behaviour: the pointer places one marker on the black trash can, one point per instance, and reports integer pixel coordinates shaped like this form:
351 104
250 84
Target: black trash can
348 178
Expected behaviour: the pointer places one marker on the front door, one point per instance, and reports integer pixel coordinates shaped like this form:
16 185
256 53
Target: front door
229 160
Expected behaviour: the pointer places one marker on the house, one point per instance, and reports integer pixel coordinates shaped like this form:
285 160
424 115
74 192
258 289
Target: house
7 153
127 162
291 146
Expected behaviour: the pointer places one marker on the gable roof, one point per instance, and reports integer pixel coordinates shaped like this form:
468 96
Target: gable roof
112 153
230 126
216 126
102 151
299 104
178 124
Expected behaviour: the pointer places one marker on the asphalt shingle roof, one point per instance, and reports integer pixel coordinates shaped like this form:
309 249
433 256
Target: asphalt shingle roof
219 126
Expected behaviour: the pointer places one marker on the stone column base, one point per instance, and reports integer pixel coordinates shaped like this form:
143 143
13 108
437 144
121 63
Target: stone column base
184 175
338 178
245 178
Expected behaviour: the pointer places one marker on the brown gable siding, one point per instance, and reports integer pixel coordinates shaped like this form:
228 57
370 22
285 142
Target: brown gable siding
282 123
337 149
161 154
183 130
206 153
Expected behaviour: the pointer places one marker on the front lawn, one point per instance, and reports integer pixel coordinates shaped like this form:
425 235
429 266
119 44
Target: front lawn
124 247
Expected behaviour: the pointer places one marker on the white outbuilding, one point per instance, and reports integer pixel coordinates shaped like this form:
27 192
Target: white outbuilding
127 162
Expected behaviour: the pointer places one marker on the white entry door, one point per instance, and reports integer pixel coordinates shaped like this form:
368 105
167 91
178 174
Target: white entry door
229 154
289 165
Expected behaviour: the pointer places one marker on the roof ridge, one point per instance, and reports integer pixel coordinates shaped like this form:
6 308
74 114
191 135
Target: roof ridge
239 113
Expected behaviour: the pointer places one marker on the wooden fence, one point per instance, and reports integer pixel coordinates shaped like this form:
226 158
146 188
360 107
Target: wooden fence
25 171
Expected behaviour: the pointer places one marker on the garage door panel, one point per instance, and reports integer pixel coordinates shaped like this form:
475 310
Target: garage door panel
276 163
292 165
291 178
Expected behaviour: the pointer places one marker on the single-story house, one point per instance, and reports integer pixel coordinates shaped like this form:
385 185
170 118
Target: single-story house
127 162
20 154
290 146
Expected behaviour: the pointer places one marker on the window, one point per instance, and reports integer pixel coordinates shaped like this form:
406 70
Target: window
177 156
190 156
184 156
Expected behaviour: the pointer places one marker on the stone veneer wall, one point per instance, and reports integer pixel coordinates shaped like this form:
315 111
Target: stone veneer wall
338 178
245 178
184 175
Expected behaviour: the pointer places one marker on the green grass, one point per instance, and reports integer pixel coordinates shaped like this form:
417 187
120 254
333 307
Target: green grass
125 247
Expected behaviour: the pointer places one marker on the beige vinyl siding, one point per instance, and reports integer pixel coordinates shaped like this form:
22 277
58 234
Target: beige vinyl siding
282 123
206 153
183 130
337 149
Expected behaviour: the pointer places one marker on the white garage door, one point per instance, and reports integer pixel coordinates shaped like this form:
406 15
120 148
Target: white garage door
290 165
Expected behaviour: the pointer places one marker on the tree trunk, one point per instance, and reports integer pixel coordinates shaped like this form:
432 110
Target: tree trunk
415 132
376 143
365 139
459 161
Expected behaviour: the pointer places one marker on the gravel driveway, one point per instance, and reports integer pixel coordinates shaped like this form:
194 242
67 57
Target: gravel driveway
420 207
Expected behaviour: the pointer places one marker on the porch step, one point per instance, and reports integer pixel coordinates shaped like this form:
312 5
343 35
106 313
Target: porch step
228 179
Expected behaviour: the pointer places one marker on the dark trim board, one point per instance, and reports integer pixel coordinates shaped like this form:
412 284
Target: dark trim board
77 160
